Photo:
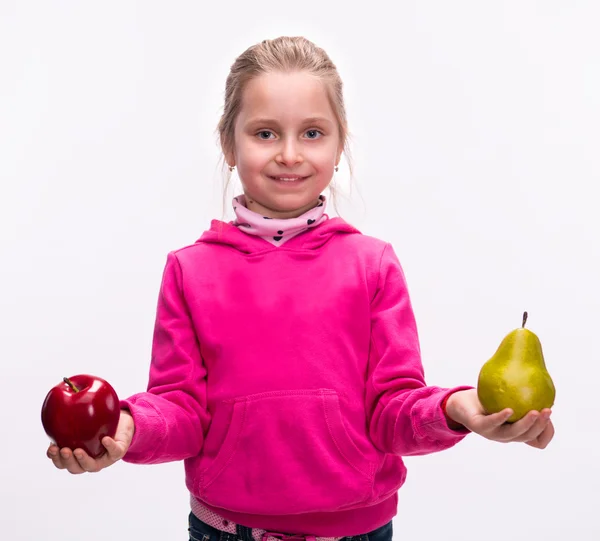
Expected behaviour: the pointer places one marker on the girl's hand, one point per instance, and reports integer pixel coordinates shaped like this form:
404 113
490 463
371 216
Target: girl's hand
535 429
78 461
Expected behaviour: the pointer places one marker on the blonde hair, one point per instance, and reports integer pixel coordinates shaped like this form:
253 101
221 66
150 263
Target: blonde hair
283 54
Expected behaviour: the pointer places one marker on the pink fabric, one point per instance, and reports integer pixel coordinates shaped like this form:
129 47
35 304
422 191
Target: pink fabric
288 380
274 230
220 523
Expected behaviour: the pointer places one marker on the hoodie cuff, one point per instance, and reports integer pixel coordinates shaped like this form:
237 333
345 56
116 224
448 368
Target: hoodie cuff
436 426
150 429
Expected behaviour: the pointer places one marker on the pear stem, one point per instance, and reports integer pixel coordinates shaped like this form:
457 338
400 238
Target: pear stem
71 384
524 318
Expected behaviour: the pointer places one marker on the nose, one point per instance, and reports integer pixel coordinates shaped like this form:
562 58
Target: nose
289 153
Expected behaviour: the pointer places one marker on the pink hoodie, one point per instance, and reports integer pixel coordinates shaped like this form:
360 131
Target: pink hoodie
289 379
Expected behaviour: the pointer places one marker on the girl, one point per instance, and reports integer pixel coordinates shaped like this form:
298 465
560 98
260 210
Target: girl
286 369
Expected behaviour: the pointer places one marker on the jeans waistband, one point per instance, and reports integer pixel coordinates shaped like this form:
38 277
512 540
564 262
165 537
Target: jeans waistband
248 534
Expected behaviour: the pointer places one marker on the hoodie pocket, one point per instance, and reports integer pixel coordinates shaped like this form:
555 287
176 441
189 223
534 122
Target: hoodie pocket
286 452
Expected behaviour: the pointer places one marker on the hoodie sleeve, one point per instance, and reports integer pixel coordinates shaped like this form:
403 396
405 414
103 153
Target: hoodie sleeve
171 417
405 415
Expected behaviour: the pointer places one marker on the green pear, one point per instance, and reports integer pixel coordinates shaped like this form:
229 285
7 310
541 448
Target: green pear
516 376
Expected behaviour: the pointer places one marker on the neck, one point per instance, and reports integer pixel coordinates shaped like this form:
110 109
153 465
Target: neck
278 214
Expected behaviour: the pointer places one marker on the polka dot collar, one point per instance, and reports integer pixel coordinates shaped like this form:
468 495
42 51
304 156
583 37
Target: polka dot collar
274 230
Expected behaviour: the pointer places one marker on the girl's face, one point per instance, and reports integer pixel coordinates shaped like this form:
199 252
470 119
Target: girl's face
286 128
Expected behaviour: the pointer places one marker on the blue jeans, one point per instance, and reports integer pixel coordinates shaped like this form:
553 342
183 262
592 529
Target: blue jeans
199 531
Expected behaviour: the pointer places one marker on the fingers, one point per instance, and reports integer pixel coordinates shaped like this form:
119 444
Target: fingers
52 454
488 425
499 419
536 429
115 449
515 431
542 441
531 428
63 459
114 452
78 461
86 462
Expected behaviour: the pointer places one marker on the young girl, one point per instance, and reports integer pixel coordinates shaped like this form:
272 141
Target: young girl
286 369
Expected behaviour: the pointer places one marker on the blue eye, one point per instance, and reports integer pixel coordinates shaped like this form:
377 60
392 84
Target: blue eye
268 133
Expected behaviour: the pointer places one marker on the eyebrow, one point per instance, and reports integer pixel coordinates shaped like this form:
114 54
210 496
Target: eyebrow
311 120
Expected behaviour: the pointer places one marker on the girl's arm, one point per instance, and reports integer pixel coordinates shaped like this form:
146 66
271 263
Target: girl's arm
171 417
406 416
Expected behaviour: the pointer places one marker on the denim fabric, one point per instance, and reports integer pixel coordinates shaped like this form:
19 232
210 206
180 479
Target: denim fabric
199 531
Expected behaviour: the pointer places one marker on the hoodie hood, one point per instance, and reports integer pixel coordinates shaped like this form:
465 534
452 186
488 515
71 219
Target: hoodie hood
227 234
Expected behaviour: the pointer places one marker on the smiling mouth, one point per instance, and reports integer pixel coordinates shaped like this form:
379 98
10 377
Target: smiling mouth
290 179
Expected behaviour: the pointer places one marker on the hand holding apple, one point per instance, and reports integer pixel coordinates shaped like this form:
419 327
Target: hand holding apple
78 461
79 412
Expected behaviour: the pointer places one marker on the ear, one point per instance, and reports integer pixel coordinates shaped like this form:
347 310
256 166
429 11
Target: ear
227 149
338 156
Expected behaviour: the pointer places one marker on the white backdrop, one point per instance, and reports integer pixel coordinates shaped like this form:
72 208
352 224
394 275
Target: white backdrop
475 139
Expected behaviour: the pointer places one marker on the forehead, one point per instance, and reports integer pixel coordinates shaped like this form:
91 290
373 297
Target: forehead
286 97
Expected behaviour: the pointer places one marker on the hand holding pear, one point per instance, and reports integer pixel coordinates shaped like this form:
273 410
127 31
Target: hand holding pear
516 377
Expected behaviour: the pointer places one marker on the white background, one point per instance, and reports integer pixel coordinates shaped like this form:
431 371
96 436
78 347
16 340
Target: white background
475 136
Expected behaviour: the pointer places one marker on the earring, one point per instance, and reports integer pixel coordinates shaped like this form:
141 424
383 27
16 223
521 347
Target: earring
336 169
231 168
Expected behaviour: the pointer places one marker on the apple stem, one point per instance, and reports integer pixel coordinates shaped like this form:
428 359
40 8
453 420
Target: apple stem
71 384
524 318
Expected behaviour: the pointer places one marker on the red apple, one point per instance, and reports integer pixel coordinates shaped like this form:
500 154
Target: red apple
79 412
